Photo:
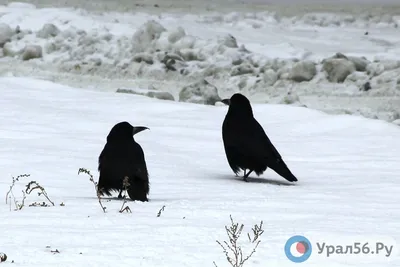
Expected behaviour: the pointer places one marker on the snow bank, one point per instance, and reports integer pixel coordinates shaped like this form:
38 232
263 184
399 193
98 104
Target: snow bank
187 49
257 20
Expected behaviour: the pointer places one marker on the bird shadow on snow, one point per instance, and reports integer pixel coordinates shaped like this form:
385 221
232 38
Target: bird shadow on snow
225 177
107 199
258 180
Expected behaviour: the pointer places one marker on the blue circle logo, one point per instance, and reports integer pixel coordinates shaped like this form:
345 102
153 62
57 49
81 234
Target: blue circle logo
298 248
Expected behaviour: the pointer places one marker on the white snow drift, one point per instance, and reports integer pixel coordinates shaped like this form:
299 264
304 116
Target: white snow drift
267 57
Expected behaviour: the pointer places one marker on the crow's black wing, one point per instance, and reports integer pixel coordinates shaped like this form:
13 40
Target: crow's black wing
232 149
122 159
269 150
250 139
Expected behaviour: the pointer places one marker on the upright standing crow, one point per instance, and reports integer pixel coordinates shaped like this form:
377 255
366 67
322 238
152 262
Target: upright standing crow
121 157
247 147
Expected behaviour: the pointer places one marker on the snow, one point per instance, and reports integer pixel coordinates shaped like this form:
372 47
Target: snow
57 109
347 168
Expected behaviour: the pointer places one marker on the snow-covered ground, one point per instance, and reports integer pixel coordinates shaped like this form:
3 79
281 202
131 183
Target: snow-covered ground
347 168
104 50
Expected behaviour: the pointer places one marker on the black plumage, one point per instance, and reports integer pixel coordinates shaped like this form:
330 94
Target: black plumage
121 157
247 147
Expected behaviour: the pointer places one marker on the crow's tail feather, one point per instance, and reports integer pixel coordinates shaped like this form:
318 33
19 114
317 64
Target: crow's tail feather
282 169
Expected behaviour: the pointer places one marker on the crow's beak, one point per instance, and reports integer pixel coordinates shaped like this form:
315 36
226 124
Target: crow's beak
226 101
138 129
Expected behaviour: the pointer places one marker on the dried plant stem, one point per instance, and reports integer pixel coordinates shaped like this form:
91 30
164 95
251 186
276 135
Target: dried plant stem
235 258
95 186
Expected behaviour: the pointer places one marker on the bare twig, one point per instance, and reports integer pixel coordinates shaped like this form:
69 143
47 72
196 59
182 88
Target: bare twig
127 209
95 185
33 185
15 200
20 206
125 184
38 204
14 180
234 232
257 232
160 211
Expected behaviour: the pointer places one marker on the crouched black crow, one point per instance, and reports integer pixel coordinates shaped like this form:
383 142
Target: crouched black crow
123 157
247 147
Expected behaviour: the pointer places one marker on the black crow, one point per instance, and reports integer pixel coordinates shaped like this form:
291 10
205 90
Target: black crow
247 147
123 157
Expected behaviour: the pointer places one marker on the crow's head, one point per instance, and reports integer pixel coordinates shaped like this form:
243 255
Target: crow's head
124 131
238 104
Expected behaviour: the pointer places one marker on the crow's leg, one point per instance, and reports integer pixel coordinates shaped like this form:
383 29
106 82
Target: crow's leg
246 175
